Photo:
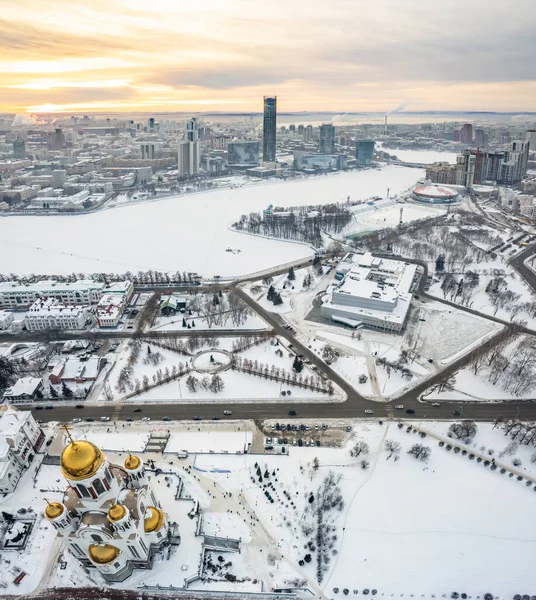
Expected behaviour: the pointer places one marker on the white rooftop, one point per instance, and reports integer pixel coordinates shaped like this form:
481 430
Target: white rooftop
24 386
50 285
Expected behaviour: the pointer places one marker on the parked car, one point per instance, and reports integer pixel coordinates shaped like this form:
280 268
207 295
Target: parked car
38 408
268 447
368 411
292 413
146 419
399 406
79 406
197 418
90 419
76 420
166 419
410 411
49 407
130 419
215 418
105 418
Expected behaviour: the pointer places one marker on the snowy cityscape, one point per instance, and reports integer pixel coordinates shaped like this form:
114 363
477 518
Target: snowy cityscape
267 301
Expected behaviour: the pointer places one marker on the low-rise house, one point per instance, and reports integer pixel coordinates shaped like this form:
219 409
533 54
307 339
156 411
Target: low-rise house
26 388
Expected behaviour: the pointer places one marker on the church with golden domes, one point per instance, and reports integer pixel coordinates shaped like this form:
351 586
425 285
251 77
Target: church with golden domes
109 516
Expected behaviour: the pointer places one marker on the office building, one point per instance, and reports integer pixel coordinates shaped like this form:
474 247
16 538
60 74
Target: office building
481 159
530 137
466 134
243 154
301 129
23 295
20 439
269 128
370 292
50 313
364 152
19 149
494 165
327 139
292 128
55 139
147 151
188 163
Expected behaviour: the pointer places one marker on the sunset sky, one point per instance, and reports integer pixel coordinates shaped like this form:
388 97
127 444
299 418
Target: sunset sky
208 55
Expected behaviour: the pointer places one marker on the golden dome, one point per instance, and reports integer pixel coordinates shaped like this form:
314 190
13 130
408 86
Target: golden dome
53 510
132 462
80 460
116 513
155 521
102 554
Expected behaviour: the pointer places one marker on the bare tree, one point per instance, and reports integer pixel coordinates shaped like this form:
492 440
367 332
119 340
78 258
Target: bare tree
358 449
420 452
393 447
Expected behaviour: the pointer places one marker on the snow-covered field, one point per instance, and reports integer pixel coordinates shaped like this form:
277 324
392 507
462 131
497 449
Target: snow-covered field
421 156
369 220
181 233
210 441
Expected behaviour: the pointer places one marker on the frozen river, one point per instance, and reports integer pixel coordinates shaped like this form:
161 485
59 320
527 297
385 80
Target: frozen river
185 233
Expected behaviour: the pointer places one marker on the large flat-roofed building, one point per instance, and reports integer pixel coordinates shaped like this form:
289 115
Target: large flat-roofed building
243 154
50 313
372 292
20 295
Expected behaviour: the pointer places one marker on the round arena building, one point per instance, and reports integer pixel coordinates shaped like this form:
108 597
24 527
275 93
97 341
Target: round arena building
434 194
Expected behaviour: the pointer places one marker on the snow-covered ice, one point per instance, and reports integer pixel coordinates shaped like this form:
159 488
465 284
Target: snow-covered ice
181 233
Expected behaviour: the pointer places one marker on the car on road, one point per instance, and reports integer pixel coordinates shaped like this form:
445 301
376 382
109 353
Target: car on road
90 419
130 419
79 406
399 406
292 413
166 419
49 407
105 418
197 418
76 420
435 404
227 412
146 419
137 410
38 408
456 413
368 411
215 418
410 411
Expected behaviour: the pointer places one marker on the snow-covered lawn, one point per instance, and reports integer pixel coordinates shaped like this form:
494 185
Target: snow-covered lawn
210 441
432 519
144 236
239 387
175 323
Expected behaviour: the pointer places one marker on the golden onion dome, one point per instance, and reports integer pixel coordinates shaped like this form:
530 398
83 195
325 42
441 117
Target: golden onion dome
116 513
102 554
54 510
132 462
154 519
80 459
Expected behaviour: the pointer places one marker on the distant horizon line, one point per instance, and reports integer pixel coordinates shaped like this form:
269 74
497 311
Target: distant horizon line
282 113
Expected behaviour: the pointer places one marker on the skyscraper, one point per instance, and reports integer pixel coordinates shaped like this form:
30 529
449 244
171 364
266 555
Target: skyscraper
192 134
466 135
481 138
188 162
19 149
269 129
301 129
147 151
364 151
327 139
308 134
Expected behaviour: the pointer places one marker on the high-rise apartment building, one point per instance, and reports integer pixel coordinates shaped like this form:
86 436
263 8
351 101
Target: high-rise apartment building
292 128
327 139
188 163
269 129
531 138
301 129
147 151
481 159
364 151
481 138
308 134
466 134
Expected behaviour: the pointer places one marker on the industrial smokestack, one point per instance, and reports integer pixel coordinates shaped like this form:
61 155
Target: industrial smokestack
385 126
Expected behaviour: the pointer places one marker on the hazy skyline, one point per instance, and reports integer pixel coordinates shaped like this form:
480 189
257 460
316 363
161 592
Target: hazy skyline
343 55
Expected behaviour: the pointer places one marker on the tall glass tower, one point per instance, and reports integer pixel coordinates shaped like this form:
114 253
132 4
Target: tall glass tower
269 129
